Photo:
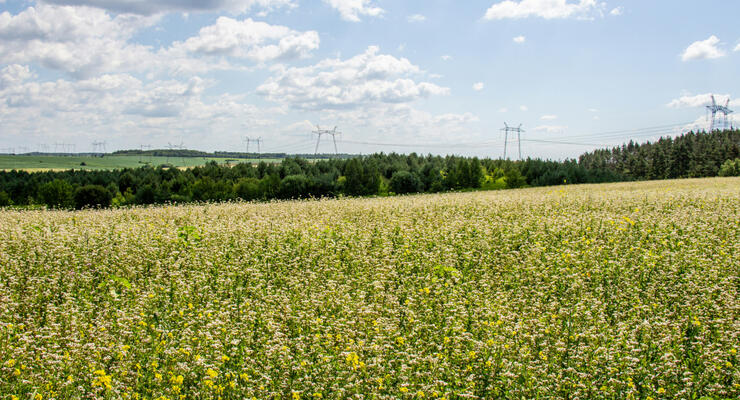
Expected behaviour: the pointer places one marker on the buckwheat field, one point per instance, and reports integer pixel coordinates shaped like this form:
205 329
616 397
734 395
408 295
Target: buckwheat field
619 291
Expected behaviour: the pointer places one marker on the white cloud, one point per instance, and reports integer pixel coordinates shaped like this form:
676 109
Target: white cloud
416 18
617 11
737 48
478 86
368 78
701 100
548 117
13 75
548 9
446 57
85 42
550 128
120 106
351 10
256 41
520 39
151 7
79 40
503 110
593 110
703 49
523 108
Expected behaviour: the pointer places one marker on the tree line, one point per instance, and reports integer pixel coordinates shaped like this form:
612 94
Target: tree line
689 155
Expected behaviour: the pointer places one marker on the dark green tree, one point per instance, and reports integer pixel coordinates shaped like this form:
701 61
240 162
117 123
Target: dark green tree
92 196
403 182
57 194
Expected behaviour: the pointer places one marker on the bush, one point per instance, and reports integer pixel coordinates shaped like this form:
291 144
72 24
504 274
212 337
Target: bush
405 182
730 168
92 196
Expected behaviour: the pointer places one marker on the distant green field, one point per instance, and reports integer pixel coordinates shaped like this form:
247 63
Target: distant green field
45 163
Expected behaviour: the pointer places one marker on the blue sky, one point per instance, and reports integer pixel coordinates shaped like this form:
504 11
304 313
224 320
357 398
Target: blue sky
430 76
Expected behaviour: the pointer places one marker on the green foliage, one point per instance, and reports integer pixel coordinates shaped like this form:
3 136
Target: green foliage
689 155
248 189
5 199
92 196
57 194
730 168
514 179
403 182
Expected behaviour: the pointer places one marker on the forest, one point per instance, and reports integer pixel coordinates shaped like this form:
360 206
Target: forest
694 154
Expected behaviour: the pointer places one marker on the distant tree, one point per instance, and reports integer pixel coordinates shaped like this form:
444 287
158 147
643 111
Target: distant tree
514 178
248 189
730 168
269 186
57 194
403 182
92 196
5 199
293 187
353 175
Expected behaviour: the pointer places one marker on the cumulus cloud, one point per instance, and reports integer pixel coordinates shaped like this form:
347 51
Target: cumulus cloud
446 57
478 86
520 39
257 41
85 42
617 11
14 74
548 9
737 48
351 10
703 49
416 18
151 7
82 41
701 100
548 117
368 78
523 108
119 105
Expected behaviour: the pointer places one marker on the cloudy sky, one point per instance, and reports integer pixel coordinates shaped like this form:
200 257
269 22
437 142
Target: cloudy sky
431 76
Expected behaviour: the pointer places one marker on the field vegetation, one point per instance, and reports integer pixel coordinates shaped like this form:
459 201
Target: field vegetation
616 291
37 163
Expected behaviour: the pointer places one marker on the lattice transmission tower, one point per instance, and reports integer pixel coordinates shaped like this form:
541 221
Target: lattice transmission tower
511 129
715 109
333 133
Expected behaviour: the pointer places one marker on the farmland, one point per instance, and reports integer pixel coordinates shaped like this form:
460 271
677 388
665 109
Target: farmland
78 162
625 290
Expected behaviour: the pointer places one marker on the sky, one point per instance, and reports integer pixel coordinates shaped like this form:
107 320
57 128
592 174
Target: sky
425 76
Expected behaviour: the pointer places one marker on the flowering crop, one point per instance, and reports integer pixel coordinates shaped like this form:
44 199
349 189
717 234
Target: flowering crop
591 292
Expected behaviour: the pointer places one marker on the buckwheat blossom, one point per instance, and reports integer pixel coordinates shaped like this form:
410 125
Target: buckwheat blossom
592 292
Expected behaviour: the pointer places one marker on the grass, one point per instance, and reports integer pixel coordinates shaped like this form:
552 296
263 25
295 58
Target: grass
108 162
616 291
